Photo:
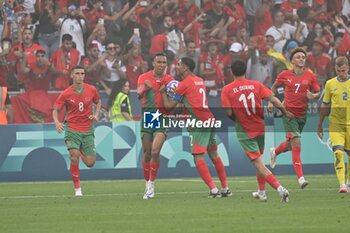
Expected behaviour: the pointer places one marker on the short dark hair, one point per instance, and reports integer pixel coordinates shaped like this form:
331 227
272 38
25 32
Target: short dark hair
238 68
189 63
297 50
159 55
40 51
67 36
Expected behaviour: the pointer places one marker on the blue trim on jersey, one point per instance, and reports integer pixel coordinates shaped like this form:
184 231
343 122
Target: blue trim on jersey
338 147
347 151
344 80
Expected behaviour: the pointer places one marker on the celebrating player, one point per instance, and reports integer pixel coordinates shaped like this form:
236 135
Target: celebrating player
242 100
79 123
203 140
336 102
300 86
153 139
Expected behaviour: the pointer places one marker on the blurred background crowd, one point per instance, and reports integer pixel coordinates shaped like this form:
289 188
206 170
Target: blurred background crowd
42 40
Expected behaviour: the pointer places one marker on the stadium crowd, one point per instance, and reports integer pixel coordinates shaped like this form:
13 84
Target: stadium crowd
42 40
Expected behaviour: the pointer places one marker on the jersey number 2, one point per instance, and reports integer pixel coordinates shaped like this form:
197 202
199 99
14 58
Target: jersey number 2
204 99
245 99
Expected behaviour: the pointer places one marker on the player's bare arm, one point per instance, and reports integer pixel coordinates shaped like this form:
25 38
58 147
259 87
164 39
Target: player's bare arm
141 90
59 125
277 103
324 111
97 111
312 95
274 91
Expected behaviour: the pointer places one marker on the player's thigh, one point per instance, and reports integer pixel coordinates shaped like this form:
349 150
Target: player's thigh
291 127
337 135
158 141
251 147
72 139
88 145
200 139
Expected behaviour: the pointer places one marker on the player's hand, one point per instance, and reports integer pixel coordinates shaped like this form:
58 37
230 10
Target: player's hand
310 95
289 115
94 117
270 107
320 132
162 89
59 127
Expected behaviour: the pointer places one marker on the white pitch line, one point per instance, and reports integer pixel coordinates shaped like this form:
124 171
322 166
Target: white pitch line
140 194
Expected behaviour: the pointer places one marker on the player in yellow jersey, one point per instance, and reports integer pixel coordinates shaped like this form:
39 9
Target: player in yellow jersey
336 103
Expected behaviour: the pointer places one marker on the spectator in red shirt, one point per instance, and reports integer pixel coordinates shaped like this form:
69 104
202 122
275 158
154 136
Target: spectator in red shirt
63 60
289 9
159 42
39 74
263 18
210 66
134 64
320 62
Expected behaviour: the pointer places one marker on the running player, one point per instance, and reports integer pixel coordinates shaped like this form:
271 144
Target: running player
79 123
300 86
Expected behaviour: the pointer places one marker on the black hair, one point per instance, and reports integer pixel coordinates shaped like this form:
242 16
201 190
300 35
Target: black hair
238 68
159 55
67 37
189 63
117 87
40 51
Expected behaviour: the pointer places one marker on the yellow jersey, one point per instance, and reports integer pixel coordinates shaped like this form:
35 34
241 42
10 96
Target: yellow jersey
337 93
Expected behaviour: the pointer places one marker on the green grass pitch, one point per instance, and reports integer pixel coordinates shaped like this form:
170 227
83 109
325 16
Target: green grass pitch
180 205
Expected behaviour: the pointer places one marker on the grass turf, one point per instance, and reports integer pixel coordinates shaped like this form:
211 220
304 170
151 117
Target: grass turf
179 206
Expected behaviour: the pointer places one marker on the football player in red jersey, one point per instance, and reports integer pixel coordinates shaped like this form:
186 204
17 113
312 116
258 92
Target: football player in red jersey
148 86
79 123
203 139
300 85
242 100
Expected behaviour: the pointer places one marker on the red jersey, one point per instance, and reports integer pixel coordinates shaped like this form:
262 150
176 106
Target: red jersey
295 89
79 107
38 78
193 90
93 76
153 100
133 70
158 44
245 97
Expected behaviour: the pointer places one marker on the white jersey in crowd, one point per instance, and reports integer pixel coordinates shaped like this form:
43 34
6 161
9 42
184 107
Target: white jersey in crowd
285 30
72 27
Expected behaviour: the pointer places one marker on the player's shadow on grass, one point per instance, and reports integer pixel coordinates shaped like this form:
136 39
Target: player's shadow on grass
44 164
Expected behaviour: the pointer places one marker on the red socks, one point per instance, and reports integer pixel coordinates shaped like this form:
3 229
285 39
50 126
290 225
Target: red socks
220 170
75 174
272 181
297 161
281 148
204 173
146 169
153 167
261 183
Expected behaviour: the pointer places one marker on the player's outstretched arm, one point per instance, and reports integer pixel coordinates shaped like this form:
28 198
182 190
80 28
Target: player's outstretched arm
274 90
324 111
142 89
277 103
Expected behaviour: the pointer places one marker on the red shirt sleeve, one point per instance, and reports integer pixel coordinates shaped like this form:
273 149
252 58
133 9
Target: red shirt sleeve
60 102
181 88
280 80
